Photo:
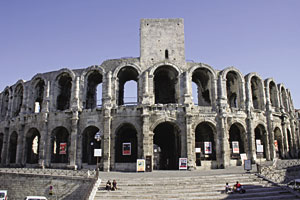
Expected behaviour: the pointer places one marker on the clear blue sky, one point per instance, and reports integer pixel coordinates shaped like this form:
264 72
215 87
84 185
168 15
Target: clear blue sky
260 36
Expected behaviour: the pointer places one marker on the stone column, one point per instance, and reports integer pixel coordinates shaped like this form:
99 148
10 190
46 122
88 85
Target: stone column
284 140
187 92
145 88
251 154
43 144
20 147
4 153
147 139
73 146
223 152
107 160
190 141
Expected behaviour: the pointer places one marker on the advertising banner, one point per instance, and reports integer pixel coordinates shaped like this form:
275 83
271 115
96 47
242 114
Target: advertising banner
97 152
63 148
140 165
235 147
126 149
198 150
276 145
207 147
182 163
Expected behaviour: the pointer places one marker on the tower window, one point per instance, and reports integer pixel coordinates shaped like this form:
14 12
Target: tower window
166 54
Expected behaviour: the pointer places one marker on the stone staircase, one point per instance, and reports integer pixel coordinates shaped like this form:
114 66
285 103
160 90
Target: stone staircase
189 185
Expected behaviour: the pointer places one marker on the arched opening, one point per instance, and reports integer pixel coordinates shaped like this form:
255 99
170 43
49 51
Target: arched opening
126 144
165 83
4 106
13 142
278 143
284 100
236 140
89 143
166 146
64 92
260 139
94 89
38 96
205 142
32 146
273 94
1 145
127 75
60 145
18 100
233 89
202 78
257 93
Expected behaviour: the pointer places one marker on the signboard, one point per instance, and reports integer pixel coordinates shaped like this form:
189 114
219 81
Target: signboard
63 148
243 157
182 163
258 142
207 147
259 148
126 149
198 150
248 165
140 165
276 145
235 147
97 152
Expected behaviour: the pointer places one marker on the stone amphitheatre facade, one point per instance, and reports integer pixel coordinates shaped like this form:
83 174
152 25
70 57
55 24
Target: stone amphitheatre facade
51 120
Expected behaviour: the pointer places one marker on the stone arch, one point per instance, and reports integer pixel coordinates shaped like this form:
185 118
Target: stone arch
206 140
283 97
127 74
166 84
237 140
63 85
89 143
32 146
234 87
4 105
126 143
38 92
204 78
166 146
278 142
18 99
261 138
273 92
13 143
257 91
60 144
93 85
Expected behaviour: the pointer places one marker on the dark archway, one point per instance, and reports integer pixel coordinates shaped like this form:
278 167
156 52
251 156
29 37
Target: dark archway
257 93
165 83
1 145
236 140
60 145
93 81
4 106
32 146
39 95
233 89
128 75
289 137
284 100
13 142
18 100
202 77
273 94
204 139
166 139
89 143
278 143
64 84
126 144
261 139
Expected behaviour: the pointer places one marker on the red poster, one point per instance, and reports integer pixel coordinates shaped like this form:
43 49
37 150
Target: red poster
126 149
63 148
276 145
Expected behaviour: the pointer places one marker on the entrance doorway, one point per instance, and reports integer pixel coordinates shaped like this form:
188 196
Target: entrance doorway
166 146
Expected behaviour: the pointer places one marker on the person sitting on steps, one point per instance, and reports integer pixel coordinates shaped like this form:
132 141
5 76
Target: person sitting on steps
108 185
227 189
114 185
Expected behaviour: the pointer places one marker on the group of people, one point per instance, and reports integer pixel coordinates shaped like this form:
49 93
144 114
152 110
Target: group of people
111 186
236 188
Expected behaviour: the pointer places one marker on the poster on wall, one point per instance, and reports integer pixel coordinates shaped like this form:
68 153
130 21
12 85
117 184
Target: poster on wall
276 145
207 147
140 165
126 149
63 148
235 147
97 152
259 148
182 163
258 142
198 150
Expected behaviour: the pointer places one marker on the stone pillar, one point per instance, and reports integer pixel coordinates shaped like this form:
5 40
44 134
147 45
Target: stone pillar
43 144
145 90
284 140
20 147
4 153
190 141
251 154
73 146
223 152
187 92
107 160
147 139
